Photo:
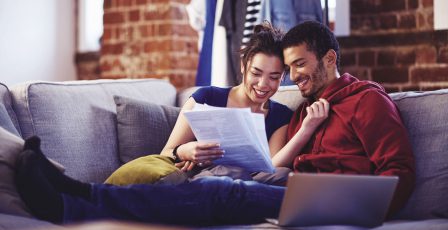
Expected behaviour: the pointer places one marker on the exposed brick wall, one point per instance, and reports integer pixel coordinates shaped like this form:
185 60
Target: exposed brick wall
149 39
394 43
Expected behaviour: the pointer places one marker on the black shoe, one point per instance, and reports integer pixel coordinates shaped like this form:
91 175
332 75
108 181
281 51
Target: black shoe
35 189
58 180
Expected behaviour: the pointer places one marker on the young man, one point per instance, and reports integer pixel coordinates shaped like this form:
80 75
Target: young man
363 134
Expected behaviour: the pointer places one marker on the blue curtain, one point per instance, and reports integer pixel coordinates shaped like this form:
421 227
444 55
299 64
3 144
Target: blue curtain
204 73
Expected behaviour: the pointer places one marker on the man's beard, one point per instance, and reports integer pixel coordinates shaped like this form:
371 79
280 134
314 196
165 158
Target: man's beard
317 79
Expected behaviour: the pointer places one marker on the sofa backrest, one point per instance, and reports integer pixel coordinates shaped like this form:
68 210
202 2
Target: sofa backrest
8 119
76 121
425 115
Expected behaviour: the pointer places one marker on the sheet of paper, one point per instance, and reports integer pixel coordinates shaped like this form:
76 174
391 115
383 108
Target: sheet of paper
241 134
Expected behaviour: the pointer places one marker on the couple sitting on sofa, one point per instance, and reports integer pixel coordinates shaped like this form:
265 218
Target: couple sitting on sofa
363 134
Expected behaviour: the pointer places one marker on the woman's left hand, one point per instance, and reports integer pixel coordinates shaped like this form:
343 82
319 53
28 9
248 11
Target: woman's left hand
189 165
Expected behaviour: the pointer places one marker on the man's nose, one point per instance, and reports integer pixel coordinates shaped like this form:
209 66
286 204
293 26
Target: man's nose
294 75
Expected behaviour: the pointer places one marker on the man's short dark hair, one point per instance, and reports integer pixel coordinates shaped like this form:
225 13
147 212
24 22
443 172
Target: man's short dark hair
317 37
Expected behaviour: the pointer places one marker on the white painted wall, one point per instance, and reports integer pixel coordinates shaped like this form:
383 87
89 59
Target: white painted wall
37 40
440 14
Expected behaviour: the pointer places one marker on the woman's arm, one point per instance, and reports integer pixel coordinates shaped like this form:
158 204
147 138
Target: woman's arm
316 114
189 149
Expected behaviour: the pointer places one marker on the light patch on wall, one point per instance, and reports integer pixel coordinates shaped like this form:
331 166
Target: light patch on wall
440 15
90 25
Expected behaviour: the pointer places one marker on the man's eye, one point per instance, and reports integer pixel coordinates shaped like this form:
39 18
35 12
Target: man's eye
300 64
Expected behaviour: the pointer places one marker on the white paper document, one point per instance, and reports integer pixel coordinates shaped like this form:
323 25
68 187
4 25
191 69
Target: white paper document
240 133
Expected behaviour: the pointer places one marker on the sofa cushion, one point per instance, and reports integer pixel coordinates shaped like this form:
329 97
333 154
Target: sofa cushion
10 202
143 128
76 121
425 117
144 170
8 119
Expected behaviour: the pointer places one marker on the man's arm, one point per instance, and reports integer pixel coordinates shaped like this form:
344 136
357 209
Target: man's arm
378 125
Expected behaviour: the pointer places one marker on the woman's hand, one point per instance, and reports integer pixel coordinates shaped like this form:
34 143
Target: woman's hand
316 114
197 153
189 165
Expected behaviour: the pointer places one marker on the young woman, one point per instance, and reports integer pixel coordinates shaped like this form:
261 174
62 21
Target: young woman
262 69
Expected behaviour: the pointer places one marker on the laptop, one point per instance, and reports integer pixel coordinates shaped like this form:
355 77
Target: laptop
336 199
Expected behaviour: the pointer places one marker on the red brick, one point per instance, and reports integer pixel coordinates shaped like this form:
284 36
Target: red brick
179 13
438 73
395 5
105 66
147 30
134 15
426 55
157 46
165 29
427 3
361 7
413 4
390 74
111 49
107 34
159 13
391 89
386 58
113 18
430 19
358 72
407 21
107 4
366 58
122 3
348 58
405 57
443 55
141 2
388 21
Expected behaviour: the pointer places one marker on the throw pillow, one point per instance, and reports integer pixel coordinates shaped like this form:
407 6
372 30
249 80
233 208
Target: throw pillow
146 170
10 202
142 128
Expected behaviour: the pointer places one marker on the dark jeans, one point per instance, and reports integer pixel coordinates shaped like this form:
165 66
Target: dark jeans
205 201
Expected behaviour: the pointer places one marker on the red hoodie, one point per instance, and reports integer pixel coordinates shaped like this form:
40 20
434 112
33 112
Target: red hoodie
363 134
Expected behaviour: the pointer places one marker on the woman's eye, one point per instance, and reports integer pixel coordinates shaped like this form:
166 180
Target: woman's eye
256 74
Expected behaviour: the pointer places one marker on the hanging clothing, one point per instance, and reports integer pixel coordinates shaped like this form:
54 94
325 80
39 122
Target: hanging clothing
233 16
219 76
196 18
253 13
204 72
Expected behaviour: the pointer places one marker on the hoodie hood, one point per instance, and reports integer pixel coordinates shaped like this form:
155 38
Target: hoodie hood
346 86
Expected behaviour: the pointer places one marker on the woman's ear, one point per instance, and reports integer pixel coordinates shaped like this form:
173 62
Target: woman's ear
242 68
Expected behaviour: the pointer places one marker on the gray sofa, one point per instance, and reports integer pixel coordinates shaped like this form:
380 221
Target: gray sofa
86 127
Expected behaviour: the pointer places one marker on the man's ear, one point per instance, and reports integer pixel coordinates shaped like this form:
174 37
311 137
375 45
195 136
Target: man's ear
330 58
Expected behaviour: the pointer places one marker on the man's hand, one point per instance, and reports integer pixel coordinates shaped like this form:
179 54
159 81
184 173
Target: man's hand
316 114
